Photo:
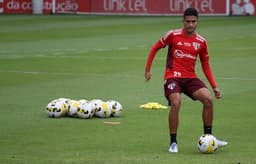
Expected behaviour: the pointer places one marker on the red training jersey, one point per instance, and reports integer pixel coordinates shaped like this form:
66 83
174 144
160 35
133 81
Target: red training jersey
182 54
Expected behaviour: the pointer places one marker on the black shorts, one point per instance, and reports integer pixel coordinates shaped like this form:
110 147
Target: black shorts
182 85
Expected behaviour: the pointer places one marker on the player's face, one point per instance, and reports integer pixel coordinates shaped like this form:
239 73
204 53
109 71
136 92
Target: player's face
190 24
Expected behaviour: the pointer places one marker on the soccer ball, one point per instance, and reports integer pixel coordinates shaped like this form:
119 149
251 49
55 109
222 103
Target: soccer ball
56 109
65 103
102 110
207 144
85 111
116 108
74 106
49 109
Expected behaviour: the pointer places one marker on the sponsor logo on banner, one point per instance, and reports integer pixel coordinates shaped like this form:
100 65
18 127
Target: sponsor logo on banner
16 6
134 7
246 7
125 5
200 5
25 6
62 6
153 7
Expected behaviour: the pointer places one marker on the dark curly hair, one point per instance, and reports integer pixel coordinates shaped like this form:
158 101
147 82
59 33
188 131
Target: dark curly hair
190 12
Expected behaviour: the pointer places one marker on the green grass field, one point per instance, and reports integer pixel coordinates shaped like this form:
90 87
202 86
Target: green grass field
47 57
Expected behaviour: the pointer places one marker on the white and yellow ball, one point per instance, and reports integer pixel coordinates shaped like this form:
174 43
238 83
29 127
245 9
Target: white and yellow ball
207 144
56 109
103 110
74 106
116 108
65 102
86 111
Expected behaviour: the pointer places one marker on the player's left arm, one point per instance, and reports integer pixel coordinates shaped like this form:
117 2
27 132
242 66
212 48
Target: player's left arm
204 58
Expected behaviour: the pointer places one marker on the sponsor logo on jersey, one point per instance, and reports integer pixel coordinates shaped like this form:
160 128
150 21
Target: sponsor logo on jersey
180 54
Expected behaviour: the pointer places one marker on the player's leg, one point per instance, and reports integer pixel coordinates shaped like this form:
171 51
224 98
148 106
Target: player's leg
197 90
204 96
173 95
175 99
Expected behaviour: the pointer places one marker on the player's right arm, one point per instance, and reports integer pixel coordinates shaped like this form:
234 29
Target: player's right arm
158 45
161 43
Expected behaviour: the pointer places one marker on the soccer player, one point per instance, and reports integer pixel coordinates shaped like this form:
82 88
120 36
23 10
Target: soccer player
184 46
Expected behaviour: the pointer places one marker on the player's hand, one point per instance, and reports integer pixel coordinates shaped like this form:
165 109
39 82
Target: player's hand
217 93
147 75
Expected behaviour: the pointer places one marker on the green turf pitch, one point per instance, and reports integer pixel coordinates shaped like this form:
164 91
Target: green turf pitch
47 57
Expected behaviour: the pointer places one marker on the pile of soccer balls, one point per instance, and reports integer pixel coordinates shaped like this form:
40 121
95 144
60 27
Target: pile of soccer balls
207 144
83 108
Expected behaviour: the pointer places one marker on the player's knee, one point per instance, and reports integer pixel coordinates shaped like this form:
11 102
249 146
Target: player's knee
175 104
175 101
208 101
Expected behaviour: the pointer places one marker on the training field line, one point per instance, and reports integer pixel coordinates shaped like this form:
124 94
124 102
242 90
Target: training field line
55 52
99 74
66 73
